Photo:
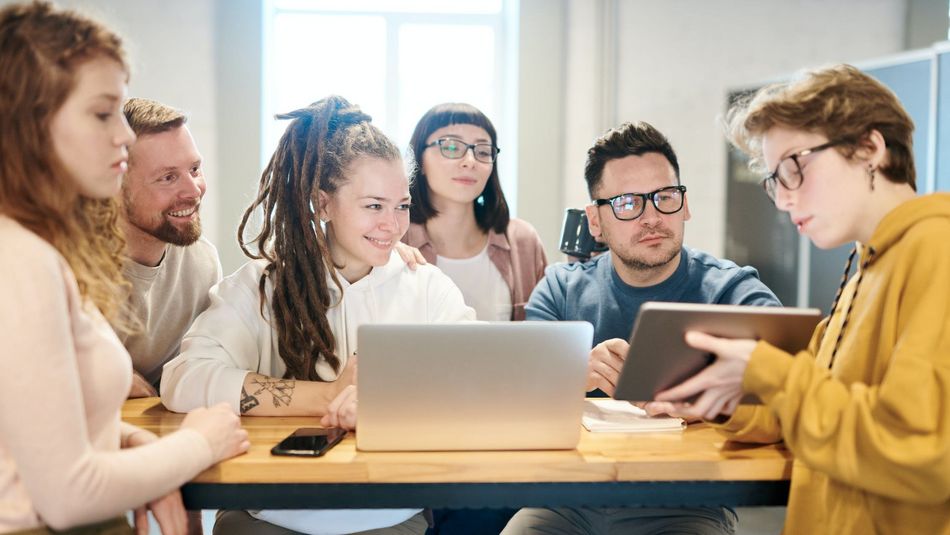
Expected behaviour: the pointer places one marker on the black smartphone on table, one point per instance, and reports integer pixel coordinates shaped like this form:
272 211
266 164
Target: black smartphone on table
309 442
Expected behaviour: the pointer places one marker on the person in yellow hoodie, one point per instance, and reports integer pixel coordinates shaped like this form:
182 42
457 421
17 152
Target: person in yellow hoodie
866 408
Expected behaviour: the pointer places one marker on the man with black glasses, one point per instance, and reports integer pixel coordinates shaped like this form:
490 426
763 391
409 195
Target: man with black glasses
639 209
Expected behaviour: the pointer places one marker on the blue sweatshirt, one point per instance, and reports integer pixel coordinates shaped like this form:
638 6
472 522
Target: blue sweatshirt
594 292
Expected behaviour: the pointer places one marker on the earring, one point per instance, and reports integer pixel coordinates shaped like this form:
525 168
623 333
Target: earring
871 172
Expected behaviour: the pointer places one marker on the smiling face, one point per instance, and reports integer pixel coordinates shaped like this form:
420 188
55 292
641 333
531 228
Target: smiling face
366 215
456 181
646 248
828 207
164 187
89 133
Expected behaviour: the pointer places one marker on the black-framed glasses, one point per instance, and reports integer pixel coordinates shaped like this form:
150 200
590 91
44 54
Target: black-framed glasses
627 206
789 171
455 149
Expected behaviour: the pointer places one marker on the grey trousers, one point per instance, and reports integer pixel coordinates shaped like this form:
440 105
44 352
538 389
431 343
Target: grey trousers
627 520
241 523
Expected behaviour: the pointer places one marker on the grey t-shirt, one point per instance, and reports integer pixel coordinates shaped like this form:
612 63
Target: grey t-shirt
594 292
166 299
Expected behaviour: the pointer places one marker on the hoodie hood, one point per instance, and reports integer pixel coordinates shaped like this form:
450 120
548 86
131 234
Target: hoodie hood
359 304
901 219
377 276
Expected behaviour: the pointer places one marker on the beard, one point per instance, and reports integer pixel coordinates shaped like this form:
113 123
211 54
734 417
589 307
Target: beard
164 230
650 261
644 264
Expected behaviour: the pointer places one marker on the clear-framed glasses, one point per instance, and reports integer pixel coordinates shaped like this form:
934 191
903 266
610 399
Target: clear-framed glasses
627 206
789 171
455 149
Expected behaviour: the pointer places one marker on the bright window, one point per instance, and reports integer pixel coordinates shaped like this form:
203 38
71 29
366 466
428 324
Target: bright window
395 60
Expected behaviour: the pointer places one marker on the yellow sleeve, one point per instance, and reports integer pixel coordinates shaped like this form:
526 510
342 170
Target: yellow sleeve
751 423
758 423
891 438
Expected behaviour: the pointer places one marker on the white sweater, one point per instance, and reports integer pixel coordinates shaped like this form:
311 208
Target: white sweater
231 337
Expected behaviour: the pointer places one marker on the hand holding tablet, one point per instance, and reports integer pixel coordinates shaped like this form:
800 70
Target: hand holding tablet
660 358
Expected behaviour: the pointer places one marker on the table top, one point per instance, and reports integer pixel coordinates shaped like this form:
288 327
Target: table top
697 453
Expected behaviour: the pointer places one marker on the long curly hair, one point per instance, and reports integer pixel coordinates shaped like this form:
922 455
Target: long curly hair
41 49
313 155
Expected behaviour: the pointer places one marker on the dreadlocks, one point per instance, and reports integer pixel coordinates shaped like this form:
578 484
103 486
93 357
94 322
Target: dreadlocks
313 155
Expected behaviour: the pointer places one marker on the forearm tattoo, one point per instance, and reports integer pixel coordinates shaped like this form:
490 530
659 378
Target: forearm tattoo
281 390
248 401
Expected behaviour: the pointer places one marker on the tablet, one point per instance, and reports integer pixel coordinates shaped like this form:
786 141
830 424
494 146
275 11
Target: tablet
659 357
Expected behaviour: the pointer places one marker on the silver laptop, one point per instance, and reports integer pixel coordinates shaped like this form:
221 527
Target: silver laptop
471 386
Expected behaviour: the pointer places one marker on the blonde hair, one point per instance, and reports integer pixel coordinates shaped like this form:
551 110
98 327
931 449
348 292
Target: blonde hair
41 49
146 116
839 102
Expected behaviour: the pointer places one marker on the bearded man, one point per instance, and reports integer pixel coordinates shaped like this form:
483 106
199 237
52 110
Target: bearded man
170 265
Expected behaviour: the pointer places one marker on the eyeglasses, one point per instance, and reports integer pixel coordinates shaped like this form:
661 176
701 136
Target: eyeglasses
789 171
455 149
627 206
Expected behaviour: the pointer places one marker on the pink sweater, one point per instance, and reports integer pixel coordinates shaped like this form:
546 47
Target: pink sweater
63 378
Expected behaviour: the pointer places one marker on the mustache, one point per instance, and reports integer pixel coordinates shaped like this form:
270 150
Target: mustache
664 232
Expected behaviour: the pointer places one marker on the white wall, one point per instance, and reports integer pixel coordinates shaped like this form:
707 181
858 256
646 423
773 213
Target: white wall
926 23
238 55
540 119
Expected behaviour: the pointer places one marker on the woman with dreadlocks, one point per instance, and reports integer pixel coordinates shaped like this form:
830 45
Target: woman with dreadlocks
279 337
866 407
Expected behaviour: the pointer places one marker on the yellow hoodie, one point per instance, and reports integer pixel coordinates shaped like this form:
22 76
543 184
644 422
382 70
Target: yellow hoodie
871 436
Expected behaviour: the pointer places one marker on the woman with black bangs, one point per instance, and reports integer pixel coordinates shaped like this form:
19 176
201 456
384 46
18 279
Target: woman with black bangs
459 214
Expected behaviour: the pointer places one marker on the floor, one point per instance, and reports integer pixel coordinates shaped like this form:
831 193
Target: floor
752 521
760 520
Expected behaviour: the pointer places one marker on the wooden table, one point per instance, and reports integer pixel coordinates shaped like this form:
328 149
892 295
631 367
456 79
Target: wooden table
689 468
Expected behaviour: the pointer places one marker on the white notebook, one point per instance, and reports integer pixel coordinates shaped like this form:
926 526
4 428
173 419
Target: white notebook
616 416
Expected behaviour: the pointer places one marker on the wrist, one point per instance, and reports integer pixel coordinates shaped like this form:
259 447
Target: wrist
138 437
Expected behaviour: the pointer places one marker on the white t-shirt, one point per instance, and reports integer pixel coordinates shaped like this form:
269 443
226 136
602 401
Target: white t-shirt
482 285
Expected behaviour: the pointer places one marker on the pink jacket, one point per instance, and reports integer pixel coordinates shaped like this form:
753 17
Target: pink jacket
518 255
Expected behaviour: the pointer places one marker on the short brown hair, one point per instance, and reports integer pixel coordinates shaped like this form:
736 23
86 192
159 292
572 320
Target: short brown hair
628 139
839 102
146 116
